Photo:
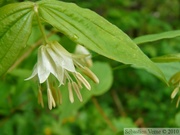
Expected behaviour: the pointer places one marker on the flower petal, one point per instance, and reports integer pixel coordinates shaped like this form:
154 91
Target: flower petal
66 60
57 69
34 73
82 50
43 65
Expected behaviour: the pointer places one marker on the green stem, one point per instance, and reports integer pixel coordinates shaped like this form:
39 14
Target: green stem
40 25
107 120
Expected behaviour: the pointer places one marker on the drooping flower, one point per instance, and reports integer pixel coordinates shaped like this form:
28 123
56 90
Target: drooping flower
56 60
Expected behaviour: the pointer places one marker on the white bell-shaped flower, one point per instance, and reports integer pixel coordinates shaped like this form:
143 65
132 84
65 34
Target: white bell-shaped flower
56 60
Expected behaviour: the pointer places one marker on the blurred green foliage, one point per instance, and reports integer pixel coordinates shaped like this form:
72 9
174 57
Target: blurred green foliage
135 98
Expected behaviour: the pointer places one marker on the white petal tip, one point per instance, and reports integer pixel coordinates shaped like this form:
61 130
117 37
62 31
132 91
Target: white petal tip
72 101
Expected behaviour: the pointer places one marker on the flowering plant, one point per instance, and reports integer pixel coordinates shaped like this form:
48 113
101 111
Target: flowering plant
83 27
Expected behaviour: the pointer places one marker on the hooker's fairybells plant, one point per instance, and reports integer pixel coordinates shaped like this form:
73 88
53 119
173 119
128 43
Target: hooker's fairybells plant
81 26
56 60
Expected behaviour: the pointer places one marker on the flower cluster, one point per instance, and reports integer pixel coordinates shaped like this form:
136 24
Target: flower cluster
56 60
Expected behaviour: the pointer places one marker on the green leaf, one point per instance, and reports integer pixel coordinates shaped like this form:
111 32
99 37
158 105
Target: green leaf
91 30
105 75
167 58
104 72
169 69
155 37
15 28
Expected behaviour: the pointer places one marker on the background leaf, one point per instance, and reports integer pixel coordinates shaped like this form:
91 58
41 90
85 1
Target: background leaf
91 30
155 37
167 58
15 28
169 69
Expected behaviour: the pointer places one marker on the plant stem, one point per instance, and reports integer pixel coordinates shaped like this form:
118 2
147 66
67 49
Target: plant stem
107 120
118 103
28 51
40 25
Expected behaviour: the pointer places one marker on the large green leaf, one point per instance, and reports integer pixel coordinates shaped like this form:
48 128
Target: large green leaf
15 28
91 30
155 37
